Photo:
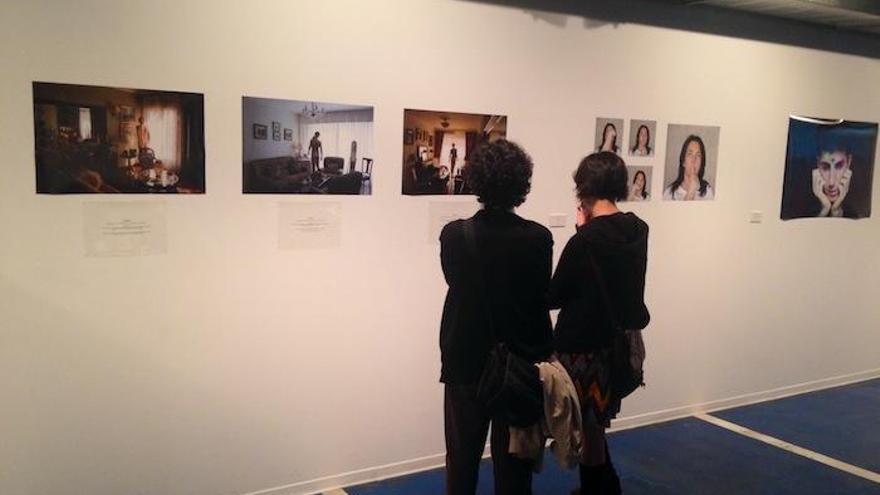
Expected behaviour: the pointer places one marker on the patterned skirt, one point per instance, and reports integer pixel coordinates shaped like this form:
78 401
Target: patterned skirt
589 373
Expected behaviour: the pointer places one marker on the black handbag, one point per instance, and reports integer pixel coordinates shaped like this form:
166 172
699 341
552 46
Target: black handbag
627 356
509 387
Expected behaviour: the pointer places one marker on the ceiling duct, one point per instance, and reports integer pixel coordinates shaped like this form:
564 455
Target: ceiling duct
853 15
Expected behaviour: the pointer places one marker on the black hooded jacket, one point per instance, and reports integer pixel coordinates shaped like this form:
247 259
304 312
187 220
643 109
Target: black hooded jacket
619 244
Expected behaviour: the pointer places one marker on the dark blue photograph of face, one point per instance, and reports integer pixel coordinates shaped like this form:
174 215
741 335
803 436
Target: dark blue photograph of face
829 168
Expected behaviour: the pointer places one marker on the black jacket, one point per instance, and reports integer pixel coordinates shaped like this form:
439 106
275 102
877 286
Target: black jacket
619 243
517 256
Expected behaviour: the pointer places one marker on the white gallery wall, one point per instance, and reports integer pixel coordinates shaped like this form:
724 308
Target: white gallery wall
228 366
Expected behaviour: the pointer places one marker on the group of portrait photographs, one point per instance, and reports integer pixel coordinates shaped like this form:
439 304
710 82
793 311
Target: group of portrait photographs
95 139
691 158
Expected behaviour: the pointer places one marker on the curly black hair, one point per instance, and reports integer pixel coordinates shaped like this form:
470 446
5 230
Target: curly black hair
601 175
500 174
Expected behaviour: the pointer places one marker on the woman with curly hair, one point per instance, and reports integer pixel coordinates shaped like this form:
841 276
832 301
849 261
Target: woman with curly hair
507 278
599 287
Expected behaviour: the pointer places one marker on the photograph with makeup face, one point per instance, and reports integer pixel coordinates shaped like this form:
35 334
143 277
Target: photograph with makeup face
829 168
638 183
691 162
437 147
609 135
641 137
99 140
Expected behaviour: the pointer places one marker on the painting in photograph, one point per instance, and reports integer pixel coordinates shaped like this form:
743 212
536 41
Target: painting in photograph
829 168
642 134
609 135
691 162
94 139
435 160
330 148
639 183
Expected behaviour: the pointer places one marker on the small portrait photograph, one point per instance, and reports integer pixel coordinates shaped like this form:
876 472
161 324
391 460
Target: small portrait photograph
639 183
95 139
260 131
641 137
691 162
436 162
609 134
829 168
328 148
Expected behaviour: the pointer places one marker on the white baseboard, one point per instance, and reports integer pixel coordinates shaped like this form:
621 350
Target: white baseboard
404 468
653 417
358 477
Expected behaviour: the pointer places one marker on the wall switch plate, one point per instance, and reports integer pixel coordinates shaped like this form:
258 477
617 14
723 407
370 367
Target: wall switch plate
558 220
756 216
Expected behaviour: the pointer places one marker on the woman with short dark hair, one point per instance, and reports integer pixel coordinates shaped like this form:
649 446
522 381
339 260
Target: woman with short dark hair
505 276
607 253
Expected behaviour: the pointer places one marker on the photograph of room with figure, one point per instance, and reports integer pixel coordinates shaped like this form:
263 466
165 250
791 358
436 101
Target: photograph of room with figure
314 147
94 139
436 147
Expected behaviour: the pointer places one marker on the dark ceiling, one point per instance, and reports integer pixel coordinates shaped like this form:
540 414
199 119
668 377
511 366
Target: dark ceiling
843 26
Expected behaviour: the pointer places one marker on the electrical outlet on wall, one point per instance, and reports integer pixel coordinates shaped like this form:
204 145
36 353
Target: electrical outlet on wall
558 220
756 216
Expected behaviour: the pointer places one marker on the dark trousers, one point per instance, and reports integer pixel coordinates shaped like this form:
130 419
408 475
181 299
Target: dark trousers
601 479
467 423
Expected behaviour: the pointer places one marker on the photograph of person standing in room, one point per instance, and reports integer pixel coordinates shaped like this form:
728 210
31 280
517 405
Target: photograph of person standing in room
325 148
92 139
437 147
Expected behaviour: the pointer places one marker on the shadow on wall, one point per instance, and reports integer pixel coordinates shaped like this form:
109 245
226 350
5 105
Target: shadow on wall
699 18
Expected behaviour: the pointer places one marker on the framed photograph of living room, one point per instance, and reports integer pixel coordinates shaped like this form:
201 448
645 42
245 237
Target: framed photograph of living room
327 148
96 139
434 162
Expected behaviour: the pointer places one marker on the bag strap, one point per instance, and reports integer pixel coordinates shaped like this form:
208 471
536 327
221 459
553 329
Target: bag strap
470 238
603 293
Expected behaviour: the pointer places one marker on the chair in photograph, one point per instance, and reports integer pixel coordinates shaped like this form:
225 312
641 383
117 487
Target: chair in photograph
333 165
366 168
349 183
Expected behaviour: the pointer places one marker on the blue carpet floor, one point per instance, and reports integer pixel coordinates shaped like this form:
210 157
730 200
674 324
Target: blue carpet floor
842 422
689 456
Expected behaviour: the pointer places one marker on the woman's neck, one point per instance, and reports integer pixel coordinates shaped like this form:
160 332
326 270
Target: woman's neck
604 207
